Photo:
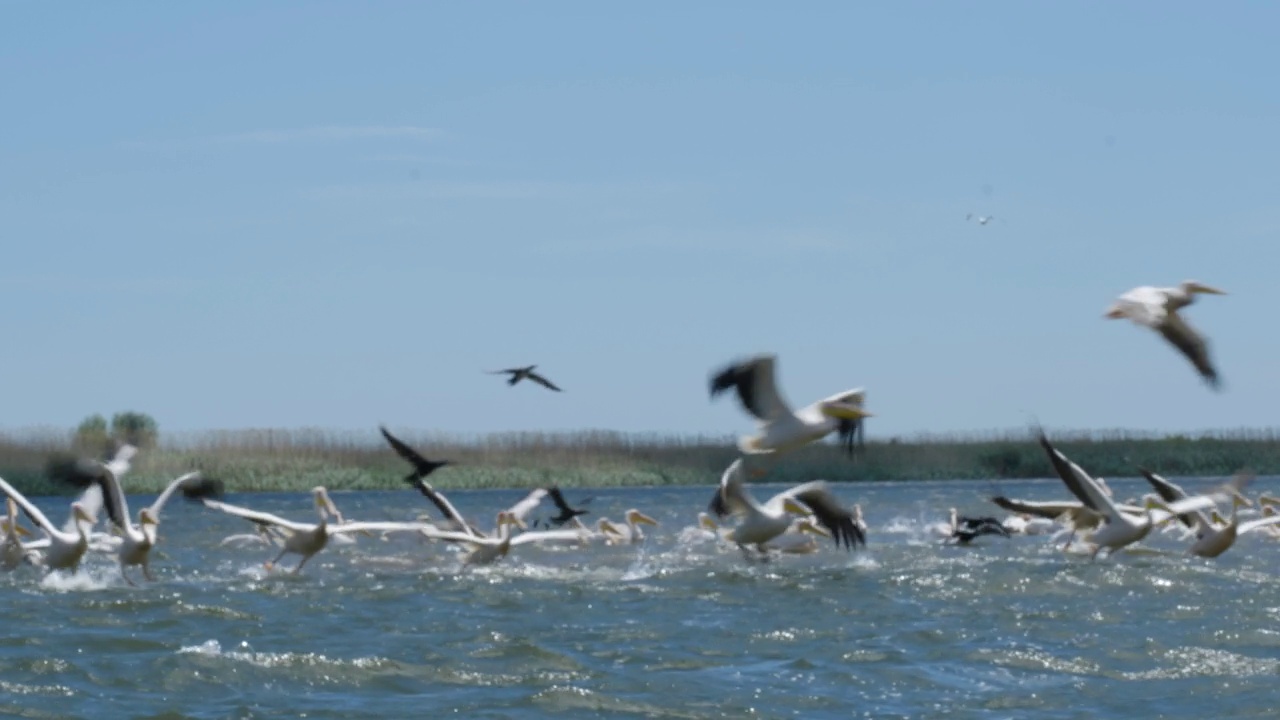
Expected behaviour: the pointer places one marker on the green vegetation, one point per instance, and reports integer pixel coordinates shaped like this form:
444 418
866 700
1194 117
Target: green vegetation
289 460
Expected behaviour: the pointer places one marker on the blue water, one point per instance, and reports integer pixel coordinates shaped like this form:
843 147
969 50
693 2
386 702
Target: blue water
672 628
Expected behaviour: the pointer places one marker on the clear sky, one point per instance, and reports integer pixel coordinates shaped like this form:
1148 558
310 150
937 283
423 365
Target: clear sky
337 214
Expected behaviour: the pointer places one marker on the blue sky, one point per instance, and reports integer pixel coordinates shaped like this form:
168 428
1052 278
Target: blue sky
322 214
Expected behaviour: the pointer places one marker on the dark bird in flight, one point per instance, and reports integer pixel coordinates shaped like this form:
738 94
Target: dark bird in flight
422 467
566 513
523 373
965 529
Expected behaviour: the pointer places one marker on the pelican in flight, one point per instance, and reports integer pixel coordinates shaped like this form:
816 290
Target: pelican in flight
486 549
798 539
761 523
134 545
307 539
1211 539
525 373
980 219
1120 529
780 428
629 532
1157 308
63 549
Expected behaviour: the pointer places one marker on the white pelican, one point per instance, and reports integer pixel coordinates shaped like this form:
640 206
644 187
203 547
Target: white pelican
307 539
780 428
1212 539
1157 308
763 522
797 539
628 533
134 545
12 553
63 550
1119 528
487 549
980 219
1026 524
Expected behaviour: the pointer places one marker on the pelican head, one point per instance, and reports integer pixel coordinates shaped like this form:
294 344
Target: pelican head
507 519
636 517
1191 286
146 517
80 513
1115 312
324 505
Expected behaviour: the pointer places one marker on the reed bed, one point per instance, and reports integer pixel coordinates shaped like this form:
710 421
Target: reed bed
297 459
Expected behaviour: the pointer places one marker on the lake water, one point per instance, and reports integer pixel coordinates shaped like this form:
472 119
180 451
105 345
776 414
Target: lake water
671 628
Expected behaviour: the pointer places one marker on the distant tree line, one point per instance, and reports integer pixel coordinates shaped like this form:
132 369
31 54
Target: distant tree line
136 428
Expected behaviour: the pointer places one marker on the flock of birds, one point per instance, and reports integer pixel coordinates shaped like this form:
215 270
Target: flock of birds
789 521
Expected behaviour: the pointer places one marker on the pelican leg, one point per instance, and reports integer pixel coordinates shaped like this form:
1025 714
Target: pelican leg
305 558
125 575
146 572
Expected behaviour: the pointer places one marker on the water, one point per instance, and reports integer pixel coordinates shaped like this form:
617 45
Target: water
669 629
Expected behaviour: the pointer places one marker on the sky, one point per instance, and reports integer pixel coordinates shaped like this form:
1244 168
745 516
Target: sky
335 215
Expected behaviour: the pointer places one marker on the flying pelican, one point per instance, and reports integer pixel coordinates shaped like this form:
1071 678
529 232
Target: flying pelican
629 532
763 522
1119 529
134 545
63 550
487 549
780 428
1211 540
525 373
796 539
307 539
980 219
1157 308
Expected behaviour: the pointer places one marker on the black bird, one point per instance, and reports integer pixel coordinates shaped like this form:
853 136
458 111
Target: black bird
523 373
422 467
965 529
566 513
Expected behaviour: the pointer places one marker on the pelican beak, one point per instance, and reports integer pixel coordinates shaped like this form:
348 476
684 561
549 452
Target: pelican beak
1114 312
21 530
1205 289
639 517
844 411
705 522
795 508
810 527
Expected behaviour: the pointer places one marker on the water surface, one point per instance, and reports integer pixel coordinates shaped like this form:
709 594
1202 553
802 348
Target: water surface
670 628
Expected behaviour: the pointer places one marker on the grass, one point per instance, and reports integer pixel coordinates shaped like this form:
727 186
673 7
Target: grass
295 460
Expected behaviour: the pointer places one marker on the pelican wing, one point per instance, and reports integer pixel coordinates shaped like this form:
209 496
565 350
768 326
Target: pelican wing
731 497
1256 523
1078 481
91 499
119 463
1169 492
834 517
257 516
113 499
443 505
1191 344
380 526
756 387
30 510
546 535
194 486
530 501
1049 510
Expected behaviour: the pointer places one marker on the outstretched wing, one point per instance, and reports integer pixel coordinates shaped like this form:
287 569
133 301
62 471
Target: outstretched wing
833 516
753 380
543 381
420 463
1192 345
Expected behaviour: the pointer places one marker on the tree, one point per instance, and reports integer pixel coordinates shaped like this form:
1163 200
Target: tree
135 428
92 434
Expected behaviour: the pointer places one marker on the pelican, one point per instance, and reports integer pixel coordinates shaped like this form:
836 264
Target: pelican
63 549
1212 539
1027 524
780 428
134 545
1157 308
980 219
763 522
487 549
525 373
12 553
1119 529
307 539
796 539
630 532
